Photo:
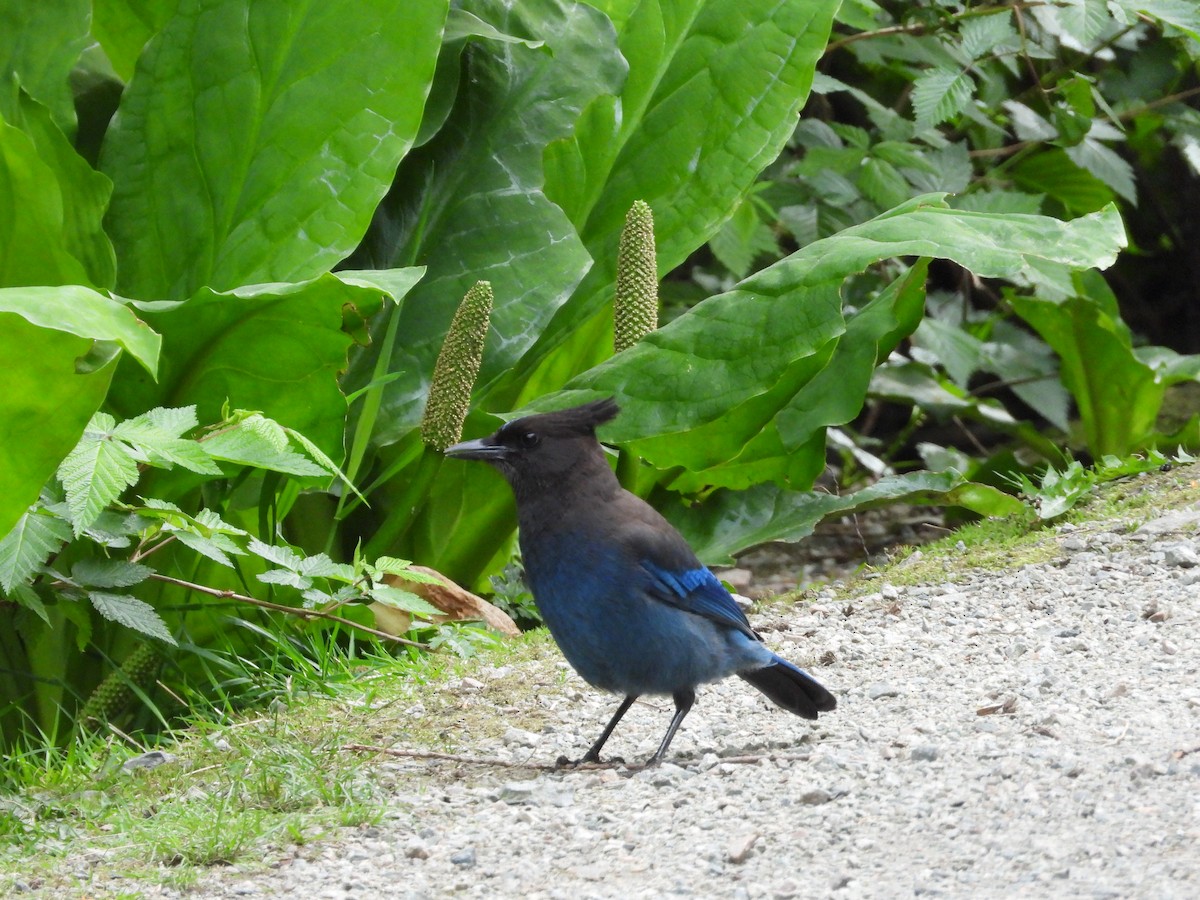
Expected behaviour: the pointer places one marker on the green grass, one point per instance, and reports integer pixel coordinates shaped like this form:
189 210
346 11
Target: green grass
242 787
1008 543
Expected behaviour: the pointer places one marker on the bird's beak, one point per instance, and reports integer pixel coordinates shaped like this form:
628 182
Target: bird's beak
481 448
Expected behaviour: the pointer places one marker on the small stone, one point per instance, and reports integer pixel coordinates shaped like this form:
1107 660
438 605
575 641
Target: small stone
416 850
519 737
1073 544
816 797
882 689
924 753
739 848
464 858
1181 555
150 760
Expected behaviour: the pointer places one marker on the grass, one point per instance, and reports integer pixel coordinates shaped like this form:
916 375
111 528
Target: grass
1024 539
243 788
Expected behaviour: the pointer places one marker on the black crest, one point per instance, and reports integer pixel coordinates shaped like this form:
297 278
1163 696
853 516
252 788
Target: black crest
577 421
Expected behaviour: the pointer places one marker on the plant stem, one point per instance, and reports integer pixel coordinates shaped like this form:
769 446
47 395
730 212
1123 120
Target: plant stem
279 607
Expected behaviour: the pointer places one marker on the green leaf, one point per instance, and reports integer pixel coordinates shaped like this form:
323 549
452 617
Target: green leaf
157 435
279 554
698 390
24 550
83 312
84 192
253 442
122 27
217 547
95 473
986 35
486 217
32 242
132 613
40 43
1106 165
1052 172
402 600
939 95
1117 394
730 521
257 138
1083 20
711 99
276 348
1183 14
109 573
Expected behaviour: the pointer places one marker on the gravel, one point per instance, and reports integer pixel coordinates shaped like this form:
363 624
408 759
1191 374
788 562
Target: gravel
1032 733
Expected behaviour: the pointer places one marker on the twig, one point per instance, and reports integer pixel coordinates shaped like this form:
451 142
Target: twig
279 607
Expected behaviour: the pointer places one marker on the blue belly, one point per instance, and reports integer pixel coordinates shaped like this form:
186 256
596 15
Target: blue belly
620 638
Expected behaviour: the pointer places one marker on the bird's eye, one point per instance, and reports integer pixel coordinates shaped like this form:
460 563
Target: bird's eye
530 439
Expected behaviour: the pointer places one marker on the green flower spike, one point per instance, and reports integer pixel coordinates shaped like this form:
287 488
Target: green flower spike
635 309
113 694
457 368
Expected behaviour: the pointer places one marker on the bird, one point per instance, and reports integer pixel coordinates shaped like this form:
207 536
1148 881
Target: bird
626 599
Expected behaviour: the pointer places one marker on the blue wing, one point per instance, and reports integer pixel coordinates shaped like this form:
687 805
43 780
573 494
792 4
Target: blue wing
697 591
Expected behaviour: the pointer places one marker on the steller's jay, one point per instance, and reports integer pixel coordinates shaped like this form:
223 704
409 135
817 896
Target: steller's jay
632 608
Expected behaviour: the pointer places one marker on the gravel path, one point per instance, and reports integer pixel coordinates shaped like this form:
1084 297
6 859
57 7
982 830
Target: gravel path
1033 733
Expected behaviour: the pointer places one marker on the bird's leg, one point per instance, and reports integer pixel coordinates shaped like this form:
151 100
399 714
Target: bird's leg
683 704
593 755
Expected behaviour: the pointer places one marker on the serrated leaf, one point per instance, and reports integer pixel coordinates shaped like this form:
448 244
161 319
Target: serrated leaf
109 573
26 548
286 577
276 553
132 613
253 444
94 474
984 35
403 600
940 94
213 523
1083 20
321 566
1106 165
217 547
880 182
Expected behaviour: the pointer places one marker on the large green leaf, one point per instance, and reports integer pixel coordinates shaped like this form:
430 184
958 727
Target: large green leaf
730 521
684 387
44 407
87 314
712 97
1117 394
84 191
255 139
40 42
277 348
122 28
32 244
469 204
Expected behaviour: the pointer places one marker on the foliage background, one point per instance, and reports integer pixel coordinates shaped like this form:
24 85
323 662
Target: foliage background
225 206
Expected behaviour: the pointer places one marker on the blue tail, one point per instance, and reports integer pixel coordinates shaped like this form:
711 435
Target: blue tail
792 688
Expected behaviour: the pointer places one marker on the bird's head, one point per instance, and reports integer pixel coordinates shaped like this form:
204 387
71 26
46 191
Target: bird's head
543 447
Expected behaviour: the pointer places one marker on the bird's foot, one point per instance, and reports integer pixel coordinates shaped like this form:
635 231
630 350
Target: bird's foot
588 761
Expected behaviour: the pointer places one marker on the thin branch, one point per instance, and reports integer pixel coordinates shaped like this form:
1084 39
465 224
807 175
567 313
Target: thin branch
279 607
